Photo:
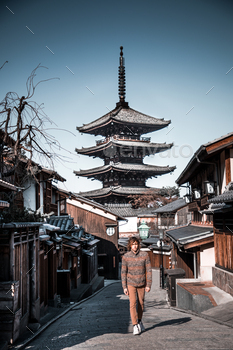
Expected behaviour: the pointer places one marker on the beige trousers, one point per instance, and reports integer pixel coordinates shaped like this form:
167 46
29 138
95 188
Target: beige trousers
136 293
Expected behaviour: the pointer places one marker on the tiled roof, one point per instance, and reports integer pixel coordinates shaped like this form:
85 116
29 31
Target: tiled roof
122 210
171 207
184 175
118 190
125 115
64 222
53 174
7 185
151 148
125 167
20 224
126 210
4 204
80 197
215 207
225 197
189 233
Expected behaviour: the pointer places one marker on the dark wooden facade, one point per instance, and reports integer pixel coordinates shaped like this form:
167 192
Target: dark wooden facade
48 256
223 240
95 220
48 196
19 271
184 260
156 260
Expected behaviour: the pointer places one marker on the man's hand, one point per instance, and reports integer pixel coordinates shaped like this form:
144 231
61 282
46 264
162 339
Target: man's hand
126 291
147 289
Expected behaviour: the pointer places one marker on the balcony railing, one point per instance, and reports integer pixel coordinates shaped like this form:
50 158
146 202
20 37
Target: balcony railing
123 137
146 139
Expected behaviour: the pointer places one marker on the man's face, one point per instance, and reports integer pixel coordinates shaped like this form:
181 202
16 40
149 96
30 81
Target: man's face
134 247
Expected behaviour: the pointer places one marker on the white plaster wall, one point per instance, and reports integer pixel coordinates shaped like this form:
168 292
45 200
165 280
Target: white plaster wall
223 172
207 261
29 195
231 160
130 226
176 218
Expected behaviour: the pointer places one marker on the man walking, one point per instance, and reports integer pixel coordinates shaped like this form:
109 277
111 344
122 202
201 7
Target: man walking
136 278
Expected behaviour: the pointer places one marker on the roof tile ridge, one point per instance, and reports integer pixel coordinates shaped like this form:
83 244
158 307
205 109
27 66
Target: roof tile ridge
118 109
147 115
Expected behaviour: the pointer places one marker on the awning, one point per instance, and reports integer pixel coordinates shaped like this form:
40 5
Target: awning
93 242
49 243
7 186
191 236
44 237
215 208
51 227
4 204
57 239
71 245
87 252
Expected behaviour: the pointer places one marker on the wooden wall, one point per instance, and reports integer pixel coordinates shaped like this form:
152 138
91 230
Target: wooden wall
223 240
155 260
185 262
21 267
93 223
108 254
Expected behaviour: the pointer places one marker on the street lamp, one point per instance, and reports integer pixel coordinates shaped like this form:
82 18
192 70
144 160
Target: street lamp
143 230
161 266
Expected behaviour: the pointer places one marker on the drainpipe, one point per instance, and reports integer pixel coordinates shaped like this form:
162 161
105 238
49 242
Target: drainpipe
195 264
216 171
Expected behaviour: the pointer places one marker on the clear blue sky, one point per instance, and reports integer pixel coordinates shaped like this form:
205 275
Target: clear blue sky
175 52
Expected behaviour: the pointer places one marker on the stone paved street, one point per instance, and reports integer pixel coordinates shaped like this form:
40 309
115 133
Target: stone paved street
102 322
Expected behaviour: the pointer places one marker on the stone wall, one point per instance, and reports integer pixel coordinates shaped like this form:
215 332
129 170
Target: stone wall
223 280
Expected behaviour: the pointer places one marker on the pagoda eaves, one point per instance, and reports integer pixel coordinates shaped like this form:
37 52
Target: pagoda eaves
125 120
118 191
151 170
109 147
123 173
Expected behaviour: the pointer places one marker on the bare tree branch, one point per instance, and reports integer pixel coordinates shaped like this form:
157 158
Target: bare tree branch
24 130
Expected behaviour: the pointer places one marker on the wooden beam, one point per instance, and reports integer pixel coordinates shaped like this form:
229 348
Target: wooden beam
228 166
199 243
219 145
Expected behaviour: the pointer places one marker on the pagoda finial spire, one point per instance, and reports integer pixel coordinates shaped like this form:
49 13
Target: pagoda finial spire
121 80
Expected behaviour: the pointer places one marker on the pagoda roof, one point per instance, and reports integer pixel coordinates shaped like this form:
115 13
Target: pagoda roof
117 190
152 147
151 170
124 115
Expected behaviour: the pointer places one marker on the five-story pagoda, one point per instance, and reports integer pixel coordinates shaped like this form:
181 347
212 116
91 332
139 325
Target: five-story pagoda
123 174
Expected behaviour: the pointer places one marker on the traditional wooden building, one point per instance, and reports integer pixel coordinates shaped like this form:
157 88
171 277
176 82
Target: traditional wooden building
5 187
19 278
192 250
206 176
222 206
41 193
172 214
122 150
102 223
78 260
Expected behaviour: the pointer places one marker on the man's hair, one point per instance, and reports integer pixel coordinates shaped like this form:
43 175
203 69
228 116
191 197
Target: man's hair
131 241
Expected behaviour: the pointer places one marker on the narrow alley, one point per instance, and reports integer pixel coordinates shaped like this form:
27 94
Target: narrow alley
102 322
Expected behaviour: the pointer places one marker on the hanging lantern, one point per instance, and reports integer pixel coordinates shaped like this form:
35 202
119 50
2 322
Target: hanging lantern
197 193
209 187
188 198
143 230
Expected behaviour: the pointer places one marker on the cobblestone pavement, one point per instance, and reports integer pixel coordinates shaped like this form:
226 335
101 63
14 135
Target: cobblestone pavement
103 322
